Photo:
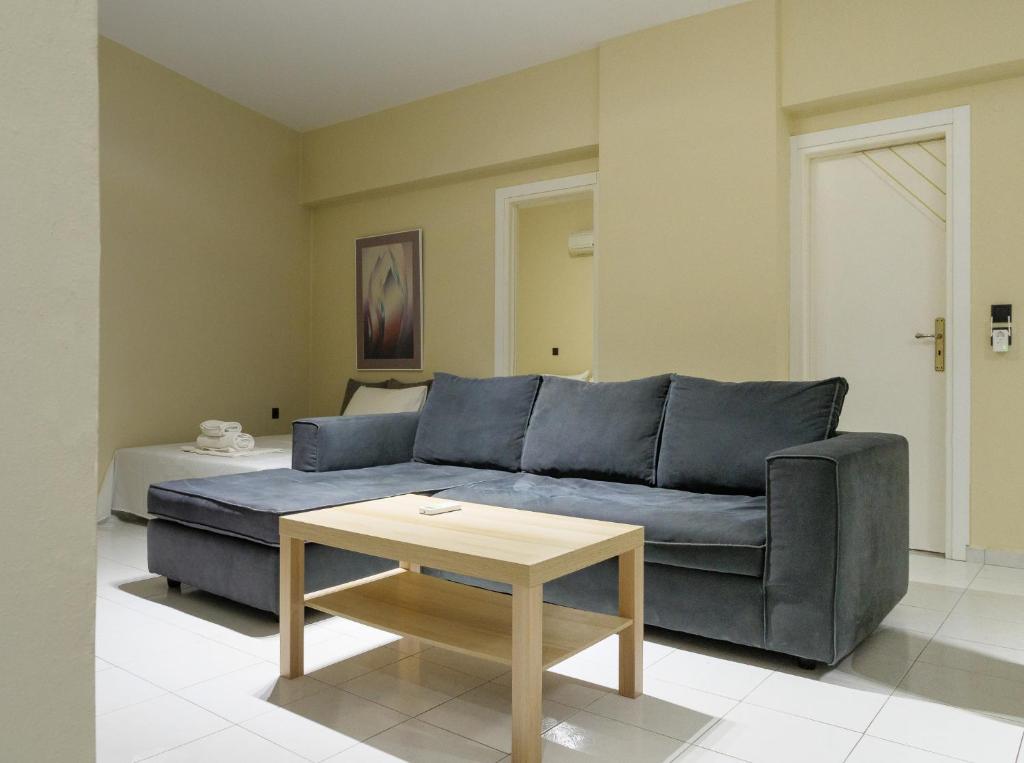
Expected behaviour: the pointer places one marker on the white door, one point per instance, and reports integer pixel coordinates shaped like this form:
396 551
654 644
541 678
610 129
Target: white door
877 277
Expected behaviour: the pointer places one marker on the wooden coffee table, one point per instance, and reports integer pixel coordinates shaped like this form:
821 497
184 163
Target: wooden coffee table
522 548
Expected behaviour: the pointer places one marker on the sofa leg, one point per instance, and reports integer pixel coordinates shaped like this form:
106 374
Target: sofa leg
805 664
171 583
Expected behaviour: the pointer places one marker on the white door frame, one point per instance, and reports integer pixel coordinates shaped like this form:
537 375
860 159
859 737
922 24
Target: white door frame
955 126
507 202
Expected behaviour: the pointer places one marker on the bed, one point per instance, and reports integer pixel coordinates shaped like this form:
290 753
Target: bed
133 470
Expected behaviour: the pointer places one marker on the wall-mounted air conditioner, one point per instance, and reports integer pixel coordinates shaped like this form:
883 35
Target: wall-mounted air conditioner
581 243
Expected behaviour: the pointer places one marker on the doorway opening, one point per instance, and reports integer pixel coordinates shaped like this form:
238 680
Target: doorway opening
545 276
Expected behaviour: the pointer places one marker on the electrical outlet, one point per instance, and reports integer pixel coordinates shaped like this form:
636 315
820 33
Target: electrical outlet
275 413
554 350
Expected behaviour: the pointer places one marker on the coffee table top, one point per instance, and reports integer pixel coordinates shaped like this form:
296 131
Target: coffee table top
490 542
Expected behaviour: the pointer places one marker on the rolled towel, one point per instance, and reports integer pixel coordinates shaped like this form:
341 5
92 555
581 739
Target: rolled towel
217 428
230 441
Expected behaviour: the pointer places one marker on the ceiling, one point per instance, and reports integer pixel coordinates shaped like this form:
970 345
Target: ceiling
310 63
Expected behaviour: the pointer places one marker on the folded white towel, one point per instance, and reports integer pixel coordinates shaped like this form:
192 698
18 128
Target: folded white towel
217 428
228 442
231 453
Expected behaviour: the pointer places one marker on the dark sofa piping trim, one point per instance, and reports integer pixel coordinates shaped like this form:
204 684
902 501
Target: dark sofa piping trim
290 513
685 544
661 432
214 530
768 542
832 411
316 457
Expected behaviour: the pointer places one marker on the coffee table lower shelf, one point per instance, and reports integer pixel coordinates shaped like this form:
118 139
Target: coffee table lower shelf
460 617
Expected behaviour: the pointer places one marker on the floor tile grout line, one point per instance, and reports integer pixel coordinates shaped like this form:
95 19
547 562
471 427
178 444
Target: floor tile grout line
456 733
163 692
723 754
889 695
922 749
176 693
985 713
745 700
270 709
165 623
177 746
623 723
332 755
917 657
772 671
997 620
598 713
709 729
857 743
241 728
914 662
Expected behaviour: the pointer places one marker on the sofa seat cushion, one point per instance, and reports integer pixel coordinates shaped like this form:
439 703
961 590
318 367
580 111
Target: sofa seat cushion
248 505
717 435
719 533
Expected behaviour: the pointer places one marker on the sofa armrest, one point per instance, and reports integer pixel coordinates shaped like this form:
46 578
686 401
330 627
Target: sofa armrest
838 539
331 443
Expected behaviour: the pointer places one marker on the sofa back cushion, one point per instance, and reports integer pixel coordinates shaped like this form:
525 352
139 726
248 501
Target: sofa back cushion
602 430
717 434
475 422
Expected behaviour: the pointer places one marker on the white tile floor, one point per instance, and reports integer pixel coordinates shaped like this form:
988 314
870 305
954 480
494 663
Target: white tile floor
185 676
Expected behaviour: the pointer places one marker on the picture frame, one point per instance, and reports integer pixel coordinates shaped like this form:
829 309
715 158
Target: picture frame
389 301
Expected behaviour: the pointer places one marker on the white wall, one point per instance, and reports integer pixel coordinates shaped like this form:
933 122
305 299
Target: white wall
49 312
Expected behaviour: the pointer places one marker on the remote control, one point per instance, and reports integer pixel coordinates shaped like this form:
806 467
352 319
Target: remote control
439 507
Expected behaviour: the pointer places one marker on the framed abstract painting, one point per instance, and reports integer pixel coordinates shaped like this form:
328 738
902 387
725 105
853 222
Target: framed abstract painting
389 301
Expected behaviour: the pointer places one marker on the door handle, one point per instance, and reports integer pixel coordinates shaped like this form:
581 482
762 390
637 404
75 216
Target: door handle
940 343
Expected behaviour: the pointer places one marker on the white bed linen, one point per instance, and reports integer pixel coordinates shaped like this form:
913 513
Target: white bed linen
133 470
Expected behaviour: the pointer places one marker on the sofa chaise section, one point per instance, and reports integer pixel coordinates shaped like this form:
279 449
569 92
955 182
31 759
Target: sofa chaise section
220 534
249 505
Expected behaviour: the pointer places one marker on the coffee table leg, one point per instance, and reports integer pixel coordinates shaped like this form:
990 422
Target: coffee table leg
292 606
527 672
631 640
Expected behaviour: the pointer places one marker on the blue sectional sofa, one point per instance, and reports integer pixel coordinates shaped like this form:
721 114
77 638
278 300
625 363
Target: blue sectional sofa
763 525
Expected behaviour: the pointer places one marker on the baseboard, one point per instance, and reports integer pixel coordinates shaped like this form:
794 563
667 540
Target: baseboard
996 557
127 516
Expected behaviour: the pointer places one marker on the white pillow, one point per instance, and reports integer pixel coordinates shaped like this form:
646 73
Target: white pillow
585 376
369 400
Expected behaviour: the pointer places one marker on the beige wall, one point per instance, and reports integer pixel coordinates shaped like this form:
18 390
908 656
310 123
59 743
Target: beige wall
546 111
49 191
692 121
458 276
997 276
205 274
836 49
691 276
554 291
